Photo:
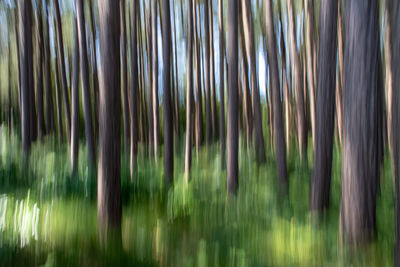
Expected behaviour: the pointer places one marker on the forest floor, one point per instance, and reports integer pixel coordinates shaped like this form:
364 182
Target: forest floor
48 218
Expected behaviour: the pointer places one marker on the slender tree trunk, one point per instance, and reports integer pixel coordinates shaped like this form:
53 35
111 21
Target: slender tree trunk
87 107
39 72
298 83
221 81
361 160
214 110
189 88
251 53
25 38
393 9
134 85
207 75
125 102
233 140
176 94
75 103
109 180
94 74
47 74
279 134
247 107
389 78
309 7
156 133
168 124
339 92
321 175
58 99
150 84
63 76
199 96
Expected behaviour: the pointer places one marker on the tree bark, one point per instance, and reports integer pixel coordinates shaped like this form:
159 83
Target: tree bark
156 133
280 146
25 38
189 94
321 175
39 72
233 140
251 54
207 75
63 76
95 76
58 98
221 82
339 92
168 124
393 9
125 102
109 179
176 95
134 86
361 160
47 74
298 83
75 103
214 110
150 83
87 107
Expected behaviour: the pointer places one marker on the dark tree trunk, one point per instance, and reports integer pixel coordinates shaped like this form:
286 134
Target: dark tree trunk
61 62
221 81
298 83
87 108
47 76
58 99
39 72
156 133
189 88
75 103
176 81
95 76
109 179
233 140
207 75
150 83
125 102
134 86
199 96
251 53
361 160
321 175
168 125
393 8
25 38
279 134
214 110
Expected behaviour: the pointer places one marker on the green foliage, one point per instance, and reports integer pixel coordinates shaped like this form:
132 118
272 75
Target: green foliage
48 217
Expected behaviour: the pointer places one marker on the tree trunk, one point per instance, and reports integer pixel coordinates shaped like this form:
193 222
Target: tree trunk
298 83
168 124
109 179
321 175
199 96
75 103
310 32
25 38
150 83
207 74
389 78
95 76
360 171
221 82
134 86
393 9
63 76
47 76
233 140
251 54
176 79
39 72
58 96
87 107
125 103
214 110
279 134
156 133
189 88
339 92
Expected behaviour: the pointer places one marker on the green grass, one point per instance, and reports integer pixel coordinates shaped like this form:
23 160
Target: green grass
49 218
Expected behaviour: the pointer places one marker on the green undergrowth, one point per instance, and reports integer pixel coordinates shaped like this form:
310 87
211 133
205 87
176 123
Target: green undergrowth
49 218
